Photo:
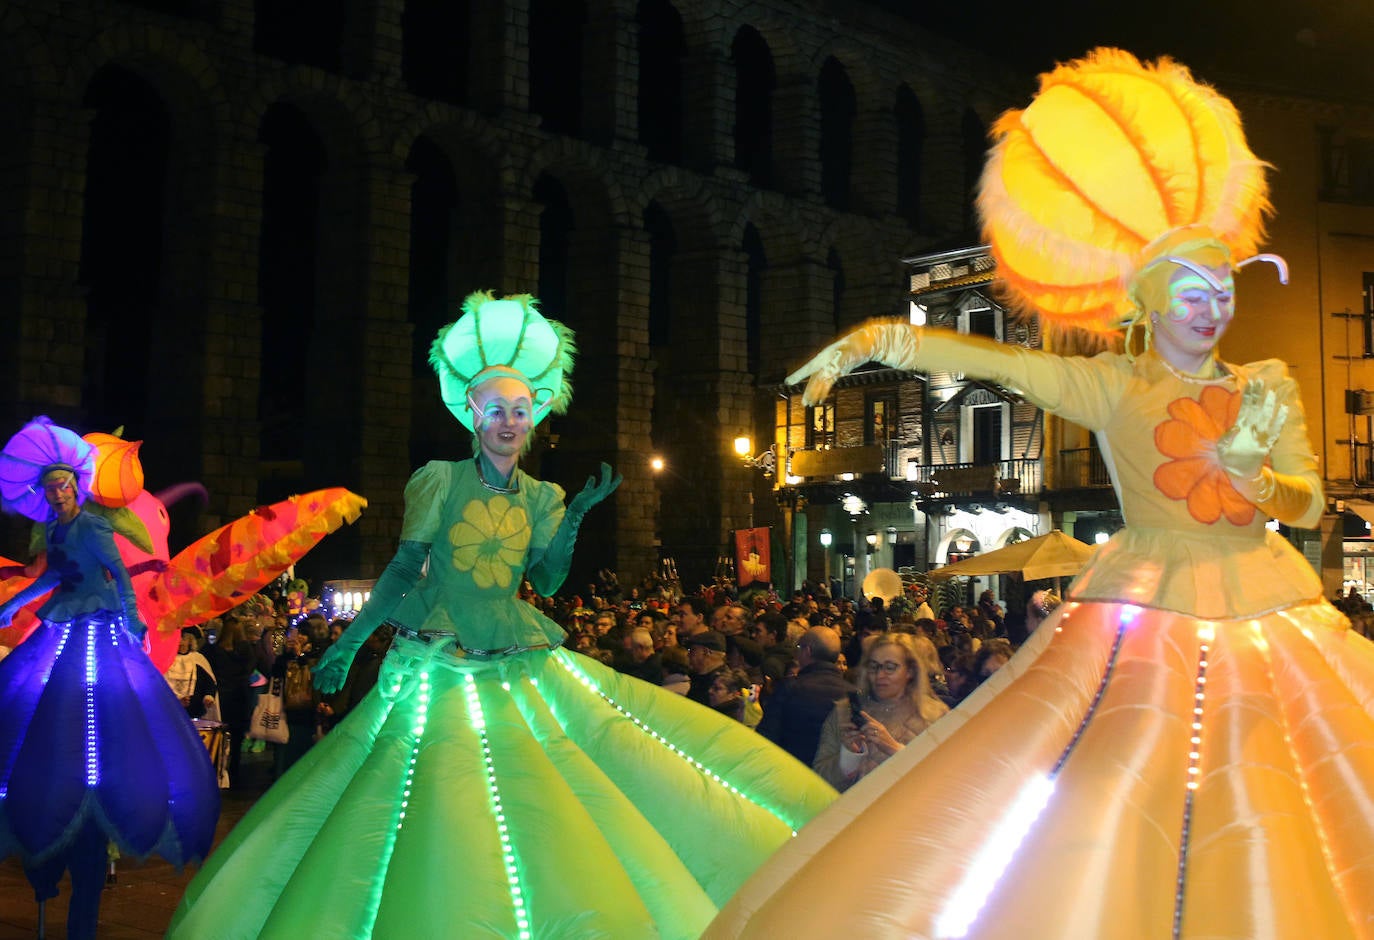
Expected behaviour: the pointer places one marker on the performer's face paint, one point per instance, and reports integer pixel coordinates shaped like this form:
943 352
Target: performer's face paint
1197 315
502 415
59 489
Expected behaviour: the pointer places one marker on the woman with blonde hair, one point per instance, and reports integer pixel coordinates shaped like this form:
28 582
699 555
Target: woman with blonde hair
894 705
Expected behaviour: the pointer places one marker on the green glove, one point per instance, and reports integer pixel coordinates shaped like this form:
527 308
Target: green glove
551 570
398 578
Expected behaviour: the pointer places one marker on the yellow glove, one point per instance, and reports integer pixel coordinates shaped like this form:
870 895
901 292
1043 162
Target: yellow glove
1242 450
1290 498
892 342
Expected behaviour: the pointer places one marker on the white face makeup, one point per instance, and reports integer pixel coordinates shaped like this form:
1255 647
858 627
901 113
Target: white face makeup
60 492
502 416
1187 332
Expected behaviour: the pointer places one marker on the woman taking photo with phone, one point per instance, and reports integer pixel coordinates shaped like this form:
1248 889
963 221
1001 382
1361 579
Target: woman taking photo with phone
893 705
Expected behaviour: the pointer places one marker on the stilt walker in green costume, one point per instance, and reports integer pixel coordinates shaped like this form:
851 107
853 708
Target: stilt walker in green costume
494 784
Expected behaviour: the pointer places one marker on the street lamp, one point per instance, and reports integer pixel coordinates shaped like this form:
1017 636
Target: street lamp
766 461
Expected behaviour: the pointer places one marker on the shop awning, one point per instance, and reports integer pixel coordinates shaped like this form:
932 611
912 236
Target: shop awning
1362 508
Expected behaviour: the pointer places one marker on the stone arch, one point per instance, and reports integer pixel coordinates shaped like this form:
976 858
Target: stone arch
599 189
779 220
476 133
911 152
837 104
858 64
343 117
973 146
702 392
954 539
455 197
579 284
556 68
789 58
660 86
686 197
791 161
927 91
483 184
1011 535
177 68
320 162
874 276
795 288
185 78
191 90
872 156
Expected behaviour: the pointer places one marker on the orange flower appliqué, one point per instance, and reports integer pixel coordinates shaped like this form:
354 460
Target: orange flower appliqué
1195 473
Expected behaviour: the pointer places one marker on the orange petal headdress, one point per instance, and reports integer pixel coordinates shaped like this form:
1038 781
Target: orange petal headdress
1110 156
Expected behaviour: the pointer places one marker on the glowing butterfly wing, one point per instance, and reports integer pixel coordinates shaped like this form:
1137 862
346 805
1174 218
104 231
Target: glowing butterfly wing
216 573
13 579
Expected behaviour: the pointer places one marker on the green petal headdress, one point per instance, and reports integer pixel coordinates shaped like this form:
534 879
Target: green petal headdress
506 336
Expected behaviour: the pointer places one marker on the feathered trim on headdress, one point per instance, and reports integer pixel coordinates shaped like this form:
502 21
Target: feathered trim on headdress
504 336
1109 156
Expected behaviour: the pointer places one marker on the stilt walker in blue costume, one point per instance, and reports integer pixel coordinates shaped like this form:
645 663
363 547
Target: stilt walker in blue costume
494 784
94 747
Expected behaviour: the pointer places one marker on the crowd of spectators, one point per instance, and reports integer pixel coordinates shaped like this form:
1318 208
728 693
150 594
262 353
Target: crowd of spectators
223 668
787 667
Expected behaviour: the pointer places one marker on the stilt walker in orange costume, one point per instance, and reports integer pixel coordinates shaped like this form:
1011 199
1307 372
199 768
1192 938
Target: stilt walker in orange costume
1186 748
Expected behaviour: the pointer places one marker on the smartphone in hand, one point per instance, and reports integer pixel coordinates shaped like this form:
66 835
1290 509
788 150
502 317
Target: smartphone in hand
856 714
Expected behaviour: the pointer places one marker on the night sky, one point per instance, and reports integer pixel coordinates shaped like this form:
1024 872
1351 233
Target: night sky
1314 46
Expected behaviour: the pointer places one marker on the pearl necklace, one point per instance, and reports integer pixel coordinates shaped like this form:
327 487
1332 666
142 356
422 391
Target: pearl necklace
1218 372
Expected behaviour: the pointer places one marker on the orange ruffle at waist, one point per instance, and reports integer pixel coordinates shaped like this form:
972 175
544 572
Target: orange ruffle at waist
1216 577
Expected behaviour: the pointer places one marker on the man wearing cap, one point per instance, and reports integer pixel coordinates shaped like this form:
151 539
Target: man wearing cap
706 659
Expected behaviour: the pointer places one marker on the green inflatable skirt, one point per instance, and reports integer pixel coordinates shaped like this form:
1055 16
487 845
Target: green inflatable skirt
539 794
